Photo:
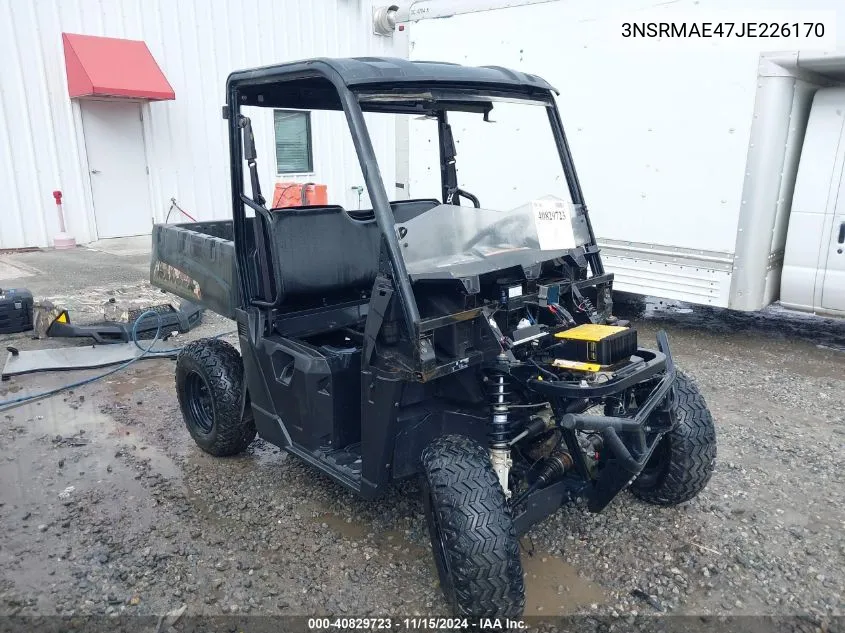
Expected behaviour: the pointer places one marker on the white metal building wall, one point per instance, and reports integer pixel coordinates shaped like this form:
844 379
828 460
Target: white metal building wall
196 43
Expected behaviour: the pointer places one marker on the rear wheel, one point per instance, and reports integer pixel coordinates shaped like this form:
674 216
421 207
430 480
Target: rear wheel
683 461
209 385
472 537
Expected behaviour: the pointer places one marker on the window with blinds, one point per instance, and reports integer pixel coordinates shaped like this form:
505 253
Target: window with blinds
293 142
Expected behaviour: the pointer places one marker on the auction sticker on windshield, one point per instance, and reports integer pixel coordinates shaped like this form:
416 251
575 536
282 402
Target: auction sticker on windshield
553 221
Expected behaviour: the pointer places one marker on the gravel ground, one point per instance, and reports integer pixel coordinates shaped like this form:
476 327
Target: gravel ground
108 507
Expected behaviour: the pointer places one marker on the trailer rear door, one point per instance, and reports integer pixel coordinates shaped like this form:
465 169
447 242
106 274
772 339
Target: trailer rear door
814 259
833 286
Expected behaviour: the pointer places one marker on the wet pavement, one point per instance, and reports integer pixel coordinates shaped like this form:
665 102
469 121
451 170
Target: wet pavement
83 463
109 508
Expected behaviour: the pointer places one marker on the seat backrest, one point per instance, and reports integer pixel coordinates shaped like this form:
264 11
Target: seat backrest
321 249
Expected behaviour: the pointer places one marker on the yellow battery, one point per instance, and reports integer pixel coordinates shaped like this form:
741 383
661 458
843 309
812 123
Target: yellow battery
599 344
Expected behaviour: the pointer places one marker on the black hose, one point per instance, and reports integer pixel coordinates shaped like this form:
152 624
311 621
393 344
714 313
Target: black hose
6 405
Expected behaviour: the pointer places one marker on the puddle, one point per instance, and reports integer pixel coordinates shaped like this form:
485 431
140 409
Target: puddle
260 454
553 587
399 547
69 428
66 414
144 374
392 544
350 530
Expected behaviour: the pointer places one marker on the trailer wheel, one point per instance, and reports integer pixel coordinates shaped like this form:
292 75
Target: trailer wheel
683 462
209 383
472 537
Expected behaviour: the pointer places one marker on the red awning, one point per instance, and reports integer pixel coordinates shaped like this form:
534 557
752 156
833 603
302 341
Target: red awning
112 67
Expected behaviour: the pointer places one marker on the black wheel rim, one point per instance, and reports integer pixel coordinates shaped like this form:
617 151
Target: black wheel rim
438 547
200 406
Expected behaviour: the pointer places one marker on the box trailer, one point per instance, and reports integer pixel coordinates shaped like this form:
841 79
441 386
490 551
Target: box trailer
712 170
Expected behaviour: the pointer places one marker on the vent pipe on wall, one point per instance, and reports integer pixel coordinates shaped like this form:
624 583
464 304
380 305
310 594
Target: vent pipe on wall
384 19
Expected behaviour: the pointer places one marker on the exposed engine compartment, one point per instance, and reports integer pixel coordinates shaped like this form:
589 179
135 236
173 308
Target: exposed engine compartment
564 363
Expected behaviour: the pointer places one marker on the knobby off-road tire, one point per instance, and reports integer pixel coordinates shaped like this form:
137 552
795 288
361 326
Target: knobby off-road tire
472 536
683 462
209 384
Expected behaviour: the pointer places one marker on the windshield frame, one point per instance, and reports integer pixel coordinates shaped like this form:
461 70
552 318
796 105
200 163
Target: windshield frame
433 99
249 88
438 99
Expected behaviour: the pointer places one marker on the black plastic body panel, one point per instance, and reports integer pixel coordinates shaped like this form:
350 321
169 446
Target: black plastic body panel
418 426
380 401
268 424
315 391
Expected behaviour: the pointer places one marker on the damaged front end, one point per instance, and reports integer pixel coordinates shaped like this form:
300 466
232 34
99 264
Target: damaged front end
599 431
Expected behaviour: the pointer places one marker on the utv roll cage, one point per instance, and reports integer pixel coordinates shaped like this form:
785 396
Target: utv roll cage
358 85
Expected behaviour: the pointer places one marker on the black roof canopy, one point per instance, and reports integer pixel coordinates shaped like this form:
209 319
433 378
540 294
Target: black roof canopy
314 83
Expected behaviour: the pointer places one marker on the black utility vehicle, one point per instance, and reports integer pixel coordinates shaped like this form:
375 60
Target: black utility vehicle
474 347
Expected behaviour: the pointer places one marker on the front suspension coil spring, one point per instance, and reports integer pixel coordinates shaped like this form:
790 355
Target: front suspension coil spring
499 393
586 306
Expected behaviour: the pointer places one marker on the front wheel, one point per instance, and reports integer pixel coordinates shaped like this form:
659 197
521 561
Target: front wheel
683 461
472 537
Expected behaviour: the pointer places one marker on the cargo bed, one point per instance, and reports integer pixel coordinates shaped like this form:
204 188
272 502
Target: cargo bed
196 261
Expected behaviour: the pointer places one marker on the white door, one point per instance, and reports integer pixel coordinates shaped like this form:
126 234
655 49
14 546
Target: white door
114 141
